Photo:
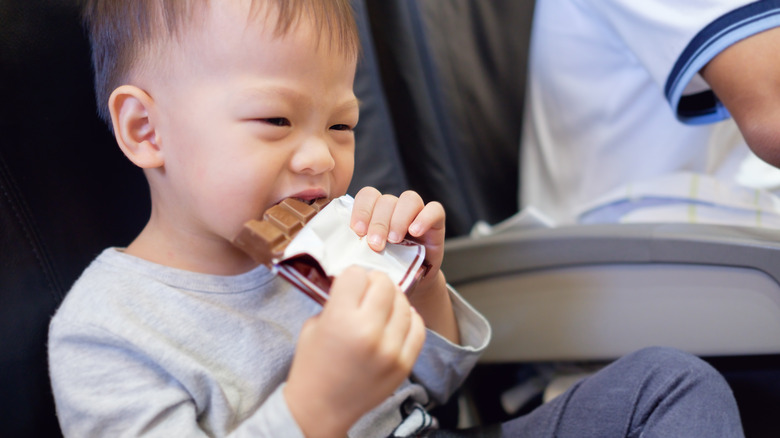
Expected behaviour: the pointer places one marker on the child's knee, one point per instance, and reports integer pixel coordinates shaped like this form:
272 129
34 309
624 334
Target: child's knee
665 355
674 365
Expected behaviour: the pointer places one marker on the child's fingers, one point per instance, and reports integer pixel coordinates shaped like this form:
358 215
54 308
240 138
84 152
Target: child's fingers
362 209
398 325
379 227
379 297
406 210
432 217
414 341
348 288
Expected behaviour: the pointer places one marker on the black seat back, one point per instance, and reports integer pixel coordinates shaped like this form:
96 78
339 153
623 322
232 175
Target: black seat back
66 192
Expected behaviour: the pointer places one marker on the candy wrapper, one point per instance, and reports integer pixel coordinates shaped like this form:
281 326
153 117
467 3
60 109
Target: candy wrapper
315 247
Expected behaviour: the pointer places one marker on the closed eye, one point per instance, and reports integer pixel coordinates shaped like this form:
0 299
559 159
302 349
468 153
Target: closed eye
341 127
276 121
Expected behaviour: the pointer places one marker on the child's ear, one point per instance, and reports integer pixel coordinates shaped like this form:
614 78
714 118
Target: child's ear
133 128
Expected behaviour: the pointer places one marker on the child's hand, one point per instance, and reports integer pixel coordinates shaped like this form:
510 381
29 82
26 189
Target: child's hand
386 218
354 354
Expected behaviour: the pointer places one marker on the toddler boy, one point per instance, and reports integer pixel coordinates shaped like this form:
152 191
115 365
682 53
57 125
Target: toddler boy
230 107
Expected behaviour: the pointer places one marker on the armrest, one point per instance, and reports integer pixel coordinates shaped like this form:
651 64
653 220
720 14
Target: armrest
594 292
519 251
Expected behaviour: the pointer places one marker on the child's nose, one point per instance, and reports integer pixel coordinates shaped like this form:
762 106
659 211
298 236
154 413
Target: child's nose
313 157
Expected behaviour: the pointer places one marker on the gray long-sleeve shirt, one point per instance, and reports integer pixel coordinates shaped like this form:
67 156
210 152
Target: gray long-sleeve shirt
140 349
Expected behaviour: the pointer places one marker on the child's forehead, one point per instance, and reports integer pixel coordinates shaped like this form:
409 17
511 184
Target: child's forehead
205 25
269 17
227 37
278 16
242 13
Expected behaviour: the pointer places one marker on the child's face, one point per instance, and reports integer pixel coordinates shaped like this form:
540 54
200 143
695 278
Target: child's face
245 119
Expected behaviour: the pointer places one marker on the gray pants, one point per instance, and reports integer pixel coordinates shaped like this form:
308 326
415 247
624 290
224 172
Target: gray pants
654 392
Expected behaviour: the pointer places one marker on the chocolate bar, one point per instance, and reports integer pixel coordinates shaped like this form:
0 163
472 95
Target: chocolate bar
311 264
265 240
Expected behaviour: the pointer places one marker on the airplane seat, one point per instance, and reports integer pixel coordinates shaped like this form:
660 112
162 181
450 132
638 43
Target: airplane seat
66 192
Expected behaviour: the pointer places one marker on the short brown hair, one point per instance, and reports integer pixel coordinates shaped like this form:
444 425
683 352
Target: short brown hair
119 30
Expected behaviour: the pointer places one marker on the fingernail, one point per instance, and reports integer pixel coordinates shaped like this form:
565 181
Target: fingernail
375 240
393 237
360 228
415 228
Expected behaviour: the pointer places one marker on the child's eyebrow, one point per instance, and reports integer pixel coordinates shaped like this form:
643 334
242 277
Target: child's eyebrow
253 93
352 104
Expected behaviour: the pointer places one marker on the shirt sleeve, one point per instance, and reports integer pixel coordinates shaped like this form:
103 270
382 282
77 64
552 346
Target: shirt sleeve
443 366
675 39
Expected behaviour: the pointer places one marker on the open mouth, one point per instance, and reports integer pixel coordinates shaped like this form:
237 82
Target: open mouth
308 201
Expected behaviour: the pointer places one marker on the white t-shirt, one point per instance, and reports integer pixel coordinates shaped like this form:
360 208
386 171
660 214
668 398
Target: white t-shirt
614 95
